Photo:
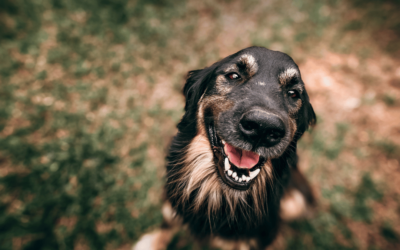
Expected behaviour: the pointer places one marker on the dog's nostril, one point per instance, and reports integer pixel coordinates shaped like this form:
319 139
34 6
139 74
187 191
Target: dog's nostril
250 125
275 134
262 127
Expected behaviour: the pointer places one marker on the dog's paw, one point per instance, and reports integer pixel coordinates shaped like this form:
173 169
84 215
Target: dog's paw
157 240
293 205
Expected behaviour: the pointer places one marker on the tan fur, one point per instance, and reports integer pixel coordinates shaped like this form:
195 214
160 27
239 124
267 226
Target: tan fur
287 75
293 110
293 205
170 215
156 240
200 173
293 127
251 64
221 85
217 104
223 244
232 67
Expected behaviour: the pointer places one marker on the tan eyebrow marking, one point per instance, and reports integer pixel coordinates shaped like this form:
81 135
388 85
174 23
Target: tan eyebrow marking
250 62
287 75
232 67
220 83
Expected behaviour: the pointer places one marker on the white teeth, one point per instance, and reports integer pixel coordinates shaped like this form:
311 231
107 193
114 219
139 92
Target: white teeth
235 176
227 165
223 142
254 173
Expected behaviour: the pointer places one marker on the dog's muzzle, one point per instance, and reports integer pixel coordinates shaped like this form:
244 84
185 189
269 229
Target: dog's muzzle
238 167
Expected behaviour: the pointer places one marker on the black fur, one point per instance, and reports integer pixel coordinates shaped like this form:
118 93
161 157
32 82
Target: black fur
246 223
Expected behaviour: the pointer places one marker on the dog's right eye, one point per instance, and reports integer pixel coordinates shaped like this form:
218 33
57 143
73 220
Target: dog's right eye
233 76
293 93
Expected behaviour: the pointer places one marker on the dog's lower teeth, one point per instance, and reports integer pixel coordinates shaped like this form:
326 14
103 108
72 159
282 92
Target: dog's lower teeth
254 173
235 175
227 165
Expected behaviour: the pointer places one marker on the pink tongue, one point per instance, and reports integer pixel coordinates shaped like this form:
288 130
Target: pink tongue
241 158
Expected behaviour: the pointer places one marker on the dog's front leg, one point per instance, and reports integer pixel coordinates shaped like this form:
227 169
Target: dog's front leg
298 200
160 238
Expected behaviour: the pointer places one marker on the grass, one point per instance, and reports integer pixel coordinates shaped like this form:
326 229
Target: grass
388 148
389 100
90 95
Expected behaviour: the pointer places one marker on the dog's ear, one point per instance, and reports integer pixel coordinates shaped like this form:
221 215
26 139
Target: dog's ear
196 84
306 116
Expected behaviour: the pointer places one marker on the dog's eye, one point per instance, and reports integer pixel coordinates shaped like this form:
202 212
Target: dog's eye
233 76
293 93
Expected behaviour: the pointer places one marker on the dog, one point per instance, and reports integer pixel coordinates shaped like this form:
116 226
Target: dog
232 173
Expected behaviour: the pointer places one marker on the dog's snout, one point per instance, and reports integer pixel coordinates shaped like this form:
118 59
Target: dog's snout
262 127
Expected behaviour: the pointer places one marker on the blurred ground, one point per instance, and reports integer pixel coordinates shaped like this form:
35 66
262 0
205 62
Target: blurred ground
90 93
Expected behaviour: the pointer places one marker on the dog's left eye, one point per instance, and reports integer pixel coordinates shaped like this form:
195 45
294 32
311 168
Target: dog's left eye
233 76
293 93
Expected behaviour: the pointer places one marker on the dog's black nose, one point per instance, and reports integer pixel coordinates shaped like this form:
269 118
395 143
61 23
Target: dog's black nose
262 127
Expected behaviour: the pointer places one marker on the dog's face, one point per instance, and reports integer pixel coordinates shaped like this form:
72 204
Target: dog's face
251 106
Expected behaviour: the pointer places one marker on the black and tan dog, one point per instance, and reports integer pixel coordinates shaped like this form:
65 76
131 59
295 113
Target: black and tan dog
232 168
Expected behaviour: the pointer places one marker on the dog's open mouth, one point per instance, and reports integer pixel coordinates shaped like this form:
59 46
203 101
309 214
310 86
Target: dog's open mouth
237 167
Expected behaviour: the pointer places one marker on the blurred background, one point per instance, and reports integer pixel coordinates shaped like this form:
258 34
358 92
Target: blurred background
90 94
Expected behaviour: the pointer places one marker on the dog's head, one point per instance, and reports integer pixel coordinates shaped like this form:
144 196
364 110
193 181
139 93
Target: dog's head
251 106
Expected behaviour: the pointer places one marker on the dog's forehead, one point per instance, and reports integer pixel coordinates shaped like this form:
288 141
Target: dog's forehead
264 63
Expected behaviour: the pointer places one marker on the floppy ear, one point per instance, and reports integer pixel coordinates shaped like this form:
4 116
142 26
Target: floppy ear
195 86
306 116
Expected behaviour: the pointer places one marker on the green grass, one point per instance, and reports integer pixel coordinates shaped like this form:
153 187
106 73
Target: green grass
389 100
388 148
388 233
84 126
